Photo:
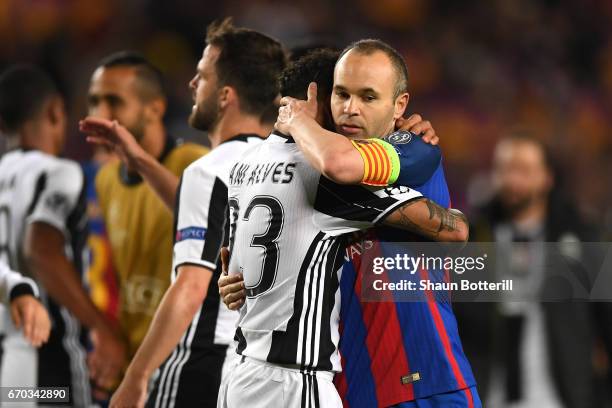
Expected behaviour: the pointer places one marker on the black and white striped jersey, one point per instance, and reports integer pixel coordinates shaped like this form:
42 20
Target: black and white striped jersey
288 237
200 225
38 187
200 230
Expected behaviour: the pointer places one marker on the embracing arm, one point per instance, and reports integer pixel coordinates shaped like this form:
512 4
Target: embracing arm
426 218
344 161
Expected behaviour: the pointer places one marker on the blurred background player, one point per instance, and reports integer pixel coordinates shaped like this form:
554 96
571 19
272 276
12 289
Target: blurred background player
127 89
44 232
527 353
234 90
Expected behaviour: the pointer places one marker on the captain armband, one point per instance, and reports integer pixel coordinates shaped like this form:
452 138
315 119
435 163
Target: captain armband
381 162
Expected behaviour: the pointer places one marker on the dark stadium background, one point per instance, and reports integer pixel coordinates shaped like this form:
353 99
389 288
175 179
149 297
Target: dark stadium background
478 69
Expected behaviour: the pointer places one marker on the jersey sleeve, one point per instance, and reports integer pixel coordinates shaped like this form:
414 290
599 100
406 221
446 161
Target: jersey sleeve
403 158
199 218
347 208
10 280
58 193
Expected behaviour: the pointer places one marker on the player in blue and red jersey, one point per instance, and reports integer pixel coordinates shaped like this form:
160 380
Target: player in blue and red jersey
394 353
397 352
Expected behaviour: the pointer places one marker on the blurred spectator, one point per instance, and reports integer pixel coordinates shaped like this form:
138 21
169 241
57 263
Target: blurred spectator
529 354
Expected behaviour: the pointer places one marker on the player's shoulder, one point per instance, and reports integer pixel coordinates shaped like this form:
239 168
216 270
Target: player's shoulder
187 151
182 155
405 142
65 174
200 167
66 166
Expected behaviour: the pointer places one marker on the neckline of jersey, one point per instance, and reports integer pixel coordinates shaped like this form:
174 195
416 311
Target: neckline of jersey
288 139
241 137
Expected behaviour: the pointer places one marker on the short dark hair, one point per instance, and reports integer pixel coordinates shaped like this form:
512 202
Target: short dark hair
316 66
370 46
24 90
150 76
248 61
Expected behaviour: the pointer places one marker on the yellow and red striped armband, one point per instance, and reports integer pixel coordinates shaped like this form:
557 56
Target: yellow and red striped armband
381 162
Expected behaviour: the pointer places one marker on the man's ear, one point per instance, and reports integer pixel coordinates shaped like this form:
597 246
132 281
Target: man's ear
401 103
156 109
227 96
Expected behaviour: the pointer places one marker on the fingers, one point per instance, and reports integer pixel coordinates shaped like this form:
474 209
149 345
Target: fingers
16 314
232 291
430 137
312 92
103 371
407 124
224 260
421 127
42 327
230 283
236 305
93 121
417 125
234 296
100 141
29 322
284 113
286 100
95 125
107 376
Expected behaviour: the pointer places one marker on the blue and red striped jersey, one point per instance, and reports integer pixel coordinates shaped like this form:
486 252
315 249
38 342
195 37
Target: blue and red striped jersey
395 352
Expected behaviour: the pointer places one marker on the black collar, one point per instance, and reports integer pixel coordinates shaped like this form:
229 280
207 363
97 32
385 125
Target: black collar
288 139
241 137
133 179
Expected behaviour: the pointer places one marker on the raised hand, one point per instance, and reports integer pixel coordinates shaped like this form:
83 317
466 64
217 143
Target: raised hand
417 125
115 136
293 110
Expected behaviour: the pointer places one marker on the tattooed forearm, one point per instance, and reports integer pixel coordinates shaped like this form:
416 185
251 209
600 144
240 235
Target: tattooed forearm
448 220
405 214
430 220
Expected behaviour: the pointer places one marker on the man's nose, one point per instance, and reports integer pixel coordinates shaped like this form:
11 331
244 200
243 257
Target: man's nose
351 106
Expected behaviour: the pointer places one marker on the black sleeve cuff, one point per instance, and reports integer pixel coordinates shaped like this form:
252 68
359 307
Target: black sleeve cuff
20 290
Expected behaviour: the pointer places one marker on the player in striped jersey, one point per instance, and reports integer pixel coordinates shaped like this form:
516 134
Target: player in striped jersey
288 327
42 234
233 99
429 365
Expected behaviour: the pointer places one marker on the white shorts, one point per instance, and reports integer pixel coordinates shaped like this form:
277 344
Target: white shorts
256 384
